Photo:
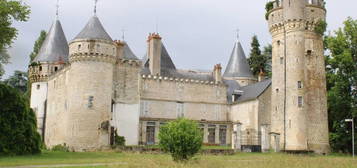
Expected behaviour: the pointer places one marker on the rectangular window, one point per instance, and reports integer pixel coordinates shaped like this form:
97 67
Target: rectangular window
90 101
223 134
281 60
212 134
180 110
300 101
150 133
300 85
38 87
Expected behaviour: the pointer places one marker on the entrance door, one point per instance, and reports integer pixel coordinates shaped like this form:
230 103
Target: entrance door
150 133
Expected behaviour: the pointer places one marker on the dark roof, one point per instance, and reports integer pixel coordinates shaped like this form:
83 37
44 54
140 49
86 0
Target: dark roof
167 66
238 65
128 53
94 30
253 91
232 85
55 46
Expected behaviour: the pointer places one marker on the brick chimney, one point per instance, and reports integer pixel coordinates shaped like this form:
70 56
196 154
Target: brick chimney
217 73
261 76
154 53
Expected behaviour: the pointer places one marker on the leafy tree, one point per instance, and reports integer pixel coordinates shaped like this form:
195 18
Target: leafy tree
18 81
182 138
18 134
10 10
341 68
259 62
37 45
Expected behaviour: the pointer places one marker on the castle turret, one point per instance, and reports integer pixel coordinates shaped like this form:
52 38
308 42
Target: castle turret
299 112
51 58
238 68
93 54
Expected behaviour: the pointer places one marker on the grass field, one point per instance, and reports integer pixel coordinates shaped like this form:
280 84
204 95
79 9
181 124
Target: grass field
133 160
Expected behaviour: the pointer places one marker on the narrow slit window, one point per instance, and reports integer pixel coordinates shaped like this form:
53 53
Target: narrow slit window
281 60
300 86
300 101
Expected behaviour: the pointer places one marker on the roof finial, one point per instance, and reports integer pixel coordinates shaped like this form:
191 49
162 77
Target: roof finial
95 6
157 26
123 34
57 8
237 34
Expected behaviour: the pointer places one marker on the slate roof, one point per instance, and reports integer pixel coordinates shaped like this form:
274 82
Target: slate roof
232 86
55 46
94 30
238 65
253 91
128 53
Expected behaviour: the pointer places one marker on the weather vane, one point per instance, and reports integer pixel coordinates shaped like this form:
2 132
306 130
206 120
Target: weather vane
57 8
237 34
123 34
95 6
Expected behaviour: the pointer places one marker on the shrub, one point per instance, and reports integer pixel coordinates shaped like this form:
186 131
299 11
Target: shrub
268 7
61 148
119 140
321 27
18 132
182 138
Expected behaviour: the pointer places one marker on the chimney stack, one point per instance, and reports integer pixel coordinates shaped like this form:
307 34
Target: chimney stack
217 73
154 53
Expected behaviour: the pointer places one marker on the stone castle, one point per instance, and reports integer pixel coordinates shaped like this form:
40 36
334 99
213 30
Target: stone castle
86 90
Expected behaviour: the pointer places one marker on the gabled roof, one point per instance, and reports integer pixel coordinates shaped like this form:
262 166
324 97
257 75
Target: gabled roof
253 91
55 46
238 65
128 53
94 30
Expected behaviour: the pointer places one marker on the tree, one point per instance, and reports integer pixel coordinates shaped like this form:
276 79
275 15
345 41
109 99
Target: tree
341 68
182 138
18 81
37 45
18 132
259 62
10 10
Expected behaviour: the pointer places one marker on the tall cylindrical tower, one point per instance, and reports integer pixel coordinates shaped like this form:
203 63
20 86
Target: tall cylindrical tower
92 57
294 108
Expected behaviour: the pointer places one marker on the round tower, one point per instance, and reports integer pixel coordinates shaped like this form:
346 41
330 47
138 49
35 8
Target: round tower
92 57
294 111
52 57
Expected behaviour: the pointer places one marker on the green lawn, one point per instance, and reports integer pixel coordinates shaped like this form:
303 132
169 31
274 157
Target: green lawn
133 160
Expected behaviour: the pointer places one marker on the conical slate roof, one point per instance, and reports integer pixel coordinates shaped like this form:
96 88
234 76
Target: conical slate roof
238 65
128 53
55 46
94 30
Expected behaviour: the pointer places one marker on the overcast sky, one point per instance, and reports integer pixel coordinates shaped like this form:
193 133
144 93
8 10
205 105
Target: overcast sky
196 33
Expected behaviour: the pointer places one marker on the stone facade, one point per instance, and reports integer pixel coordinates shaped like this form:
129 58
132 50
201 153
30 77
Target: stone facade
299 110
102 89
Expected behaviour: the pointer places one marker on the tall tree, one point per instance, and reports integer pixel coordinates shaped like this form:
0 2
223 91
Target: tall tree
18 81
341 68
259 62
10 10
37 45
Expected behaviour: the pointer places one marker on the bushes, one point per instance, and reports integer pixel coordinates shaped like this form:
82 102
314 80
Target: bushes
60 148
321 27
182 138
118 140
18 134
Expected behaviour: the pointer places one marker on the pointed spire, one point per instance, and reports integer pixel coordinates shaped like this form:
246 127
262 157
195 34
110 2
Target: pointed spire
94 30
55 46
238 65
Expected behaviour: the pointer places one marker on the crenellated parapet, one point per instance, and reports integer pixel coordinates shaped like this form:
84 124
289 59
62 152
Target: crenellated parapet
181 80
40 72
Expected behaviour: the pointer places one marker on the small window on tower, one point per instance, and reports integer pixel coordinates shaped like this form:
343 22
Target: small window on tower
277 90
300 101
309 52
278 42
281 60
38 87
90 101
79 47
300 86
56 69
40 68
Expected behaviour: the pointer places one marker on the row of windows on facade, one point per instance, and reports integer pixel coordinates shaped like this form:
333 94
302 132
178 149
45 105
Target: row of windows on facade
210 134
52 68
180 110
98 48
